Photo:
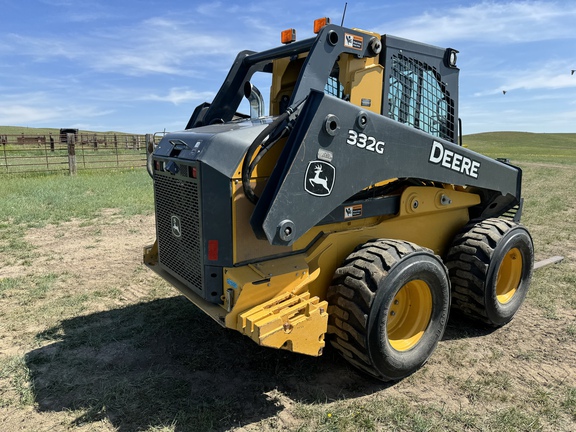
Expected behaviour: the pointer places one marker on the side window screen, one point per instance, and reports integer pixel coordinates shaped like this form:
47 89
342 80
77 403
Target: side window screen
334 88
417 97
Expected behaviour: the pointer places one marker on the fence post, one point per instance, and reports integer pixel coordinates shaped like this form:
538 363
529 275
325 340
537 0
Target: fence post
70 138
4 142
149 144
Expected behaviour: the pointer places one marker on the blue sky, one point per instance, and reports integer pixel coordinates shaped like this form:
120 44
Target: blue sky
142 66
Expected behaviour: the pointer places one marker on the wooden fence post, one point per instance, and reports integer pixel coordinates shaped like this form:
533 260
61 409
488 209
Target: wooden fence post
149 145
4 142
70 138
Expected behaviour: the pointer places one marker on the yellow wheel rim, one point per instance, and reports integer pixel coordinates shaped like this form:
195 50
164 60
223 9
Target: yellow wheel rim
409 315
509 275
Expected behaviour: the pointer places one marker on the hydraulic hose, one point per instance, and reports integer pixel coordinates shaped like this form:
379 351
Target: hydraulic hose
265 140
246 171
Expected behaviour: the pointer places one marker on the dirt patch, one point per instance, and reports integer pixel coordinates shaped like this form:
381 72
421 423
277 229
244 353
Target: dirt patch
139 357
104 254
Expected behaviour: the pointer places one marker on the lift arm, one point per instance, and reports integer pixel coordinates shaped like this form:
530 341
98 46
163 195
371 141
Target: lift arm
337 149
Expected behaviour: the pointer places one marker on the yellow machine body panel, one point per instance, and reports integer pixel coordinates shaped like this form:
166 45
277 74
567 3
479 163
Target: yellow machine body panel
280 302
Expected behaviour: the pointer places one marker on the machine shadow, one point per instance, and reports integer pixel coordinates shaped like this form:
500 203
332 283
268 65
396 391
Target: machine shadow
460 327
165 363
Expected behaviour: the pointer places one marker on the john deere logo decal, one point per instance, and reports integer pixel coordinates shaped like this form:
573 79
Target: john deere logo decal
319 178
176 226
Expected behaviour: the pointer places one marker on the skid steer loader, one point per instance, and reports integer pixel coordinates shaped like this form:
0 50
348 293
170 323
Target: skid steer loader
345 211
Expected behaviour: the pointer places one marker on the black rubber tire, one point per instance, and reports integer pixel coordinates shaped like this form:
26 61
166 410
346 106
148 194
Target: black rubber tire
363 294
474 261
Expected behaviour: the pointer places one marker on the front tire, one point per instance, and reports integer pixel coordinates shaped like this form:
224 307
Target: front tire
490 264
389 305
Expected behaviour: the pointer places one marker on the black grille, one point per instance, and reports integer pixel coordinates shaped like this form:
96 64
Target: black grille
511 214
177 203
418 97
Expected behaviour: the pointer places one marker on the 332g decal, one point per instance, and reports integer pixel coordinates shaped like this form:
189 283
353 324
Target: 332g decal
365 142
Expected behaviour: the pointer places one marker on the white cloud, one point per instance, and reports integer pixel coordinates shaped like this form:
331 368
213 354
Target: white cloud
78 12
58 3
42 48
216 9
491 22
158 46
178 96
38 107
553 75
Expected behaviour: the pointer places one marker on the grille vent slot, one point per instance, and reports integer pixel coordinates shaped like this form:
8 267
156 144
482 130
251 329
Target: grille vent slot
511 214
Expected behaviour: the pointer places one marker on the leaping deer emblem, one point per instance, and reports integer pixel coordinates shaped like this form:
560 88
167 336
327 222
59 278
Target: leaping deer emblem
176 231
319 180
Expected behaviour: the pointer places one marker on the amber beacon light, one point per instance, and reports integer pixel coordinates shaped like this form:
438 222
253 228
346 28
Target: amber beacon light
288 36
320 23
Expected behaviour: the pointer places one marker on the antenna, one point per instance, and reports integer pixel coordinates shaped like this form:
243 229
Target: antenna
344 14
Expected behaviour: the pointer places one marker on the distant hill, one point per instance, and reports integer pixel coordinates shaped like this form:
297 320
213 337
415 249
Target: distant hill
524 146
19 130
517 146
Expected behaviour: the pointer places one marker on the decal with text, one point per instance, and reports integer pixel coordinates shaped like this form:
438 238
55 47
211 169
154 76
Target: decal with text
365 142
453 161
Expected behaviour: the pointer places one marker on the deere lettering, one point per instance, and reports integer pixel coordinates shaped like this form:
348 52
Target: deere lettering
454 161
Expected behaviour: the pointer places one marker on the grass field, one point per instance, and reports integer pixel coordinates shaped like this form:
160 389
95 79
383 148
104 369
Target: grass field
90 340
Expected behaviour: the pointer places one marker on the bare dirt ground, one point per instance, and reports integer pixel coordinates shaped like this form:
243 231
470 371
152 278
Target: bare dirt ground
111 347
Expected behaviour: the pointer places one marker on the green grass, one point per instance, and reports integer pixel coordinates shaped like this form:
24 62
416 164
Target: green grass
525 147
548 162
15 372
85 358
37 200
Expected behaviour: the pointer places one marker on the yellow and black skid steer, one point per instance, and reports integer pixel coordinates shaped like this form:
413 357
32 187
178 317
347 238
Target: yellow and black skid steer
344 209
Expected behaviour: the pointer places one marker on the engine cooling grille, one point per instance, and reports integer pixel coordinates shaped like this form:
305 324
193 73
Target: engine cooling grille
512 214
178 226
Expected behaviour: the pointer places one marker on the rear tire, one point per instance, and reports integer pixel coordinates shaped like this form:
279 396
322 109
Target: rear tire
490 264
389 305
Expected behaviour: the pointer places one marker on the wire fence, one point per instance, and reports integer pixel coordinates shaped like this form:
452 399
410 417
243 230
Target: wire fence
70 152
